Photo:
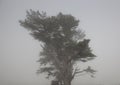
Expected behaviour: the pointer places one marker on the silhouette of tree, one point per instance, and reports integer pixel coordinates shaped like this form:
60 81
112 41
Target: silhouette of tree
63 44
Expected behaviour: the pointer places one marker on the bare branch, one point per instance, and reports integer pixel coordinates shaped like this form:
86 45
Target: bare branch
77 71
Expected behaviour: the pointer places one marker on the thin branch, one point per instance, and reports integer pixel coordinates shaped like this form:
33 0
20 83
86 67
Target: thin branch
77 71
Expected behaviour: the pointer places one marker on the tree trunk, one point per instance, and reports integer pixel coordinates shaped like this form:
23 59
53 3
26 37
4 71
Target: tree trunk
67 82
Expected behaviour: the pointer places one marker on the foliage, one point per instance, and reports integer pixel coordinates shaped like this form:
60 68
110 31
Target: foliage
62 44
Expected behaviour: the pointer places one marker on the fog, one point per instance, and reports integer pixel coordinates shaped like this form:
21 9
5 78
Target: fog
100 19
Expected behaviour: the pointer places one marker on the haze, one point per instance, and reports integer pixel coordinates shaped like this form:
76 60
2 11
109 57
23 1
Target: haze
100 19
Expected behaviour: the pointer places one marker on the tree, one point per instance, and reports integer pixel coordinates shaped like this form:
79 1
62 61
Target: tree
63 44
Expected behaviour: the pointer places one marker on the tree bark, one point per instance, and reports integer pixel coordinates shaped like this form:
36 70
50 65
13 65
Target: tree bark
67 82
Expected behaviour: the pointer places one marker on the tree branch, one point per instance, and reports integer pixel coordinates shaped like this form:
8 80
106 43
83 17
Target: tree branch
76 71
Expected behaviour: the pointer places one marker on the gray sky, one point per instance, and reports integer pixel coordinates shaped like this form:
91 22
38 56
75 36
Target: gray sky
100 19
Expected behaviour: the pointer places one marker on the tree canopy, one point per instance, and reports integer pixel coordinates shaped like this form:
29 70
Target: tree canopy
63 43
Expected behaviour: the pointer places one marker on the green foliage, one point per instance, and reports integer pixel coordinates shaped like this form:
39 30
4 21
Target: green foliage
63 43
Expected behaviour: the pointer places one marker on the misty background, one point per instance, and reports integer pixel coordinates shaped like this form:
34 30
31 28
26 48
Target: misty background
100 19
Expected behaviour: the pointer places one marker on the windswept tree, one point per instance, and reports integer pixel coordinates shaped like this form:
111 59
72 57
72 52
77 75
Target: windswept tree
63 45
